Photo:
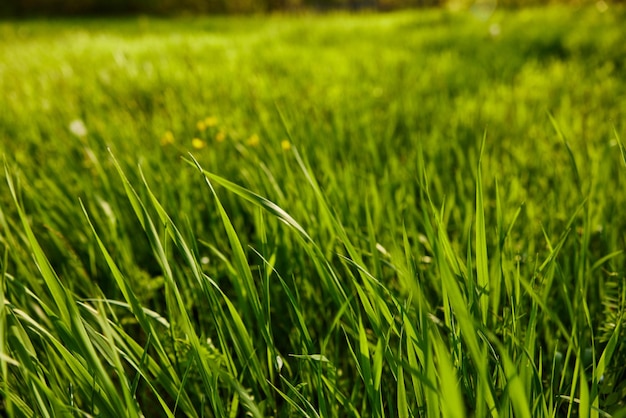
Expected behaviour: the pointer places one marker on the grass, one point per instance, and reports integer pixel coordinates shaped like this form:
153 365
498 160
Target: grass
408 214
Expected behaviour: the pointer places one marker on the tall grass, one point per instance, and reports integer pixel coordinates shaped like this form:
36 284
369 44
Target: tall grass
410 214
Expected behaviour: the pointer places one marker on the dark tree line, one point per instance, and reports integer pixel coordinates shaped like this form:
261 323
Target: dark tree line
25 8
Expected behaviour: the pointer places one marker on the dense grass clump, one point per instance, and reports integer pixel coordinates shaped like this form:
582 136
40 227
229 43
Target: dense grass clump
410 214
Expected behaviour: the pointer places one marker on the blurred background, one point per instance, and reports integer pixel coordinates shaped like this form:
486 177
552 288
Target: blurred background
28 8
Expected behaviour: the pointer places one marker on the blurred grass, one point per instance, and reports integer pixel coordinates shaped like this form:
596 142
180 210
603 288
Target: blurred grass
363 252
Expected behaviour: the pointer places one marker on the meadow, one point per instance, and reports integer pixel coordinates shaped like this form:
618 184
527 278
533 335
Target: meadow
412 214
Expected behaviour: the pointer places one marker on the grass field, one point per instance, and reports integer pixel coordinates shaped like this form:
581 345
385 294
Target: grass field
408 214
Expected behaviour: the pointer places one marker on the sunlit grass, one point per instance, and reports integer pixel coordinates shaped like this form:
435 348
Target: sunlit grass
409 214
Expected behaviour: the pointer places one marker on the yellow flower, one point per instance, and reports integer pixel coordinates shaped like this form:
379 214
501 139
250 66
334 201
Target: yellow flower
285 145
210 121
220 136
167 138
253 141
197 143
201 126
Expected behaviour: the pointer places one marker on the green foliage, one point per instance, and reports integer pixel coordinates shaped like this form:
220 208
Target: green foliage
410 214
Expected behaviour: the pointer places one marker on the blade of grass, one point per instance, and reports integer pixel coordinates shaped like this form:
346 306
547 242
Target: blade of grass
482 266
246 194
5 359
450 394
622 148
570 153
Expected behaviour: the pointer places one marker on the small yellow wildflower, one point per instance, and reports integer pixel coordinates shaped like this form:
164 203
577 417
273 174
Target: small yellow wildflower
197 143
167 138
210 121
285 145
201 126
253 141
220 136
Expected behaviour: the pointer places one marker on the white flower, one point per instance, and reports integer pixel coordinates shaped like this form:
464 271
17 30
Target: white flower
78 128
494 30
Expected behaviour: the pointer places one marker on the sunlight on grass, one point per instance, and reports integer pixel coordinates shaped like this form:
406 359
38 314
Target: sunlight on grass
409 214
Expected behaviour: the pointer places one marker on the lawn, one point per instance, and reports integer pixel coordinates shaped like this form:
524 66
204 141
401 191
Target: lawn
417 213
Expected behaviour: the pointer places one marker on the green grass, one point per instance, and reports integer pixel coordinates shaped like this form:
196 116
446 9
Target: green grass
408 214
